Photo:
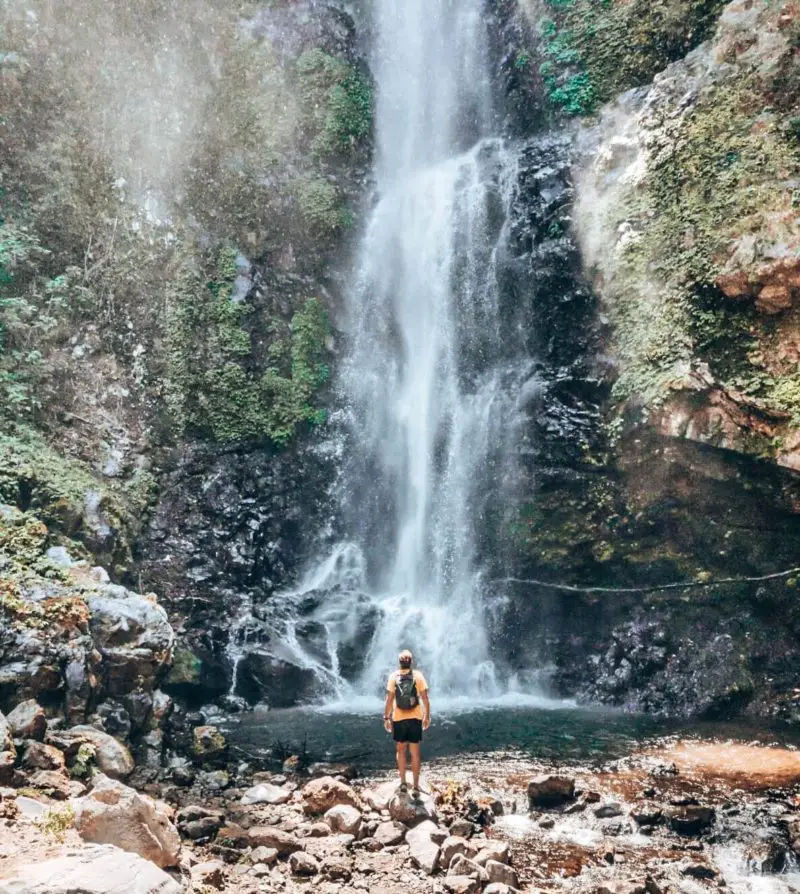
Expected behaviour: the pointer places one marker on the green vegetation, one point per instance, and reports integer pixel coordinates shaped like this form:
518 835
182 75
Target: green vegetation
84 762
57 821
215 389
336 99
594 49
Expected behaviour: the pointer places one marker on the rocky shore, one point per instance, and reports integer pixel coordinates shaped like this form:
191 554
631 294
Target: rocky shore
693 816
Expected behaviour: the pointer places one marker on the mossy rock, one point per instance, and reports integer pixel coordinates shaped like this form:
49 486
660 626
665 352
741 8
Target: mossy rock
209 746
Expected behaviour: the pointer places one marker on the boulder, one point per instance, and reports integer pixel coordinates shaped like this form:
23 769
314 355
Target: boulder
454 845
320 795
404 809
502 874
462 828
111 756
378 798
424 851
28 720
498 888
461 884
344 818
794 835
348 771
268 836
303 864
646 813
92 870
321 830
550 790
390 833
38 756
266 793
336 869
690 819
204 827
493 850
114 814
209 747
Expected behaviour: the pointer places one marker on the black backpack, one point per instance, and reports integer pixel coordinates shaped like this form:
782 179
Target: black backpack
405 692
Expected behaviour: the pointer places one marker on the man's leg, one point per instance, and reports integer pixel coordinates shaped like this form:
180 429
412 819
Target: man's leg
400 749
416 761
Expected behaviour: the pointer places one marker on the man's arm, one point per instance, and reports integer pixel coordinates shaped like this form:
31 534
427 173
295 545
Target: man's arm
387 711
426 704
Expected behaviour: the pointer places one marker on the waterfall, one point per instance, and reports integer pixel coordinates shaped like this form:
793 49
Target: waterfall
429 382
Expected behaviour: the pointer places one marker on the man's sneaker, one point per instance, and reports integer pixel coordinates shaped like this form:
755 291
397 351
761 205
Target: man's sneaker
403 787
415 795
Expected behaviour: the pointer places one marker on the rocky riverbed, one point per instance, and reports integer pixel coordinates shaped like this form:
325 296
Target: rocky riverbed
675 816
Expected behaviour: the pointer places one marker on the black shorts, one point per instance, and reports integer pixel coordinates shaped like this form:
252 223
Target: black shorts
407 730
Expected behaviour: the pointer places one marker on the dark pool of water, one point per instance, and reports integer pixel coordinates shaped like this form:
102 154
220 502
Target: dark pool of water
555 733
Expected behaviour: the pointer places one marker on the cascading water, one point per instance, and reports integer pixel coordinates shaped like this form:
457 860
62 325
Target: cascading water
429 381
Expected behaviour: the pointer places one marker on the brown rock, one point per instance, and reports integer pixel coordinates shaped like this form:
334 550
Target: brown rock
268 836
336 869
550 790
455 845
211 873
460 865
303 864
500 872
54 783
114 814
390 833
424 851
39 756
321 794
691 819
409 811
344 818
494 850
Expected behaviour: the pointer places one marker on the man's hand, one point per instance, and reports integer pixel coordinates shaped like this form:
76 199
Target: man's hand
387 724
426 721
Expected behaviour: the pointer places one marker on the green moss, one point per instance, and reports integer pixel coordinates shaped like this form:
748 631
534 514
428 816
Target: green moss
320 204
595 49
215 390
337 102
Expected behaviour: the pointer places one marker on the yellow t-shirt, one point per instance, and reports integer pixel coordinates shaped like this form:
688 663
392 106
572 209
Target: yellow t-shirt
413 713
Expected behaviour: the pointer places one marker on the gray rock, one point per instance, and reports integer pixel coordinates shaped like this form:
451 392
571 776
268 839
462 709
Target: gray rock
462 828
461 884
390 833
265 855
405 809
423 849
268 836
6 740
493 850
498 888
344 818
454 845
93 870
28 720
461 865
608 810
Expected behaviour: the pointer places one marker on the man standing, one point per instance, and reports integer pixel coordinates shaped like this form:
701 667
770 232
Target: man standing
406 714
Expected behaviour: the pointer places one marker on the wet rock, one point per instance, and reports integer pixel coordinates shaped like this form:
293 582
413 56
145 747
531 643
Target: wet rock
39 756
214 780
268 836
211 873
113 813
266 793
461 884
691 819
303 864
389 834
115 719
699 871
28 720
608 810
111 756
209 747
93 870
494 850
646 814
423 850
501 873
344 818
405 809
550 790
794 834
